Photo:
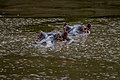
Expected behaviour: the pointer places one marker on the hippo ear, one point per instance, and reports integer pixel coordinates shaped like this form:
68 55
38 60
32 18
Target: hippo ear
89 26
64 24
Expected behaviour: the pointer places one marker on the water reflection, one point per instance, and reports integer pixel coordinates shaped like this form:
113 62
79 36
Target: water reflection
93 57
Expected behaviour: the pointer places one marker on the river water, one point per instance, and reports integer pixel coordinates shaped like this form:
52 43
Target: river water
59 8
93 57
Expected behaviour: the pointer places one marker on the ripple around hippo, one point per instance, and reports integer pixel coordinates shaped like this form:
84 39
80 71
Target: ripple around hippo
49 39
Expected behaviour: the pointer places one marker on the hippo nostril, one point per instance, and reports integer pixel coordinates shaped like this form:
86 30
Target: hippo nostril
85 28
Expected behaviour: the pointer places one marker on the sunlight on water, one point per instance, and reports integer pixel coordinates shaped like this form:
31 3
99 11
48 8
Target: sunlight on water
92 57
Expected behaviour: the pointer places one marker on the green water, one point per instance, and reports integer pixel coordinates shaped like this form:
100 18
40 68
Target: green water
95 57
59 8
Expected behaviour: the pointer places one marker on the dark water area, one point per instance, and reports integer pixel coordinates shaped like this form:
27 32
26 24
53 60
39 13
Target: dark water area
59 8
93 57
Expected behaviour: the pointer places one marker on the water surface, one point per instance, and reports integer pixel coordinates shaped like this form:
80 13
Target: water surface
95 57
59 8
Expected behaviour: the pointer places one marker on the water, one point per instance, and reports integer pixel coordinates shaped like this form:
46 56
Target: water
94 57
59 8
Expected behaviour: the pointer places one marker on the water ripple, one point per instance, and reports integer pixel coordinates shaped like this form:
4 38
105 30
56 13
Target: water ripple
93 57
